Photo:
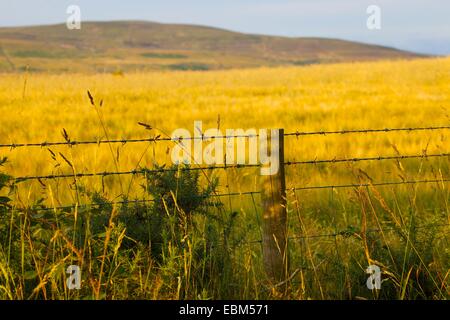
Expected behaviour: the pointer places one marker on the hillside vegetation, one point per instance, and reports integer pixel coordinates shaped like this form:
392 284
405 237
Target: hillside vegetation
139 46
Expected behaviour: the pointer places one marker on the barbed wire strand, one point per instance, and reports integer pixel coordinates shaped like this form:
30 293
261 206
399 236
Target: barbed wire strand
369 184
351 232
132 172
344 233
233 194
121 141
379 158
203 137
87 205
139 201
299 133
225 167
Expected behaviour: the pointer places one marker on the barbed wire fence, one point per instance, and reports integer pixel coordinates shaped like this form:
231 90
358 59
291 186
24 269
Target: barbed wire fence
280 211
297 134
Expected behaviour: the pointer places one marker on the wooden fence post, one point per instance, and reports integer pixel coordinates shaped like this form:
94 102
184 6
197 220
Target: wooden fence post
273 197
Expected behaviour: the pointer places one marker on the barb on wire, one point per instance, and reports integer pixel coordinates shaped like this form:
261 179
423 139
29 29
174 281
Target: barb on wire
299 133
379 158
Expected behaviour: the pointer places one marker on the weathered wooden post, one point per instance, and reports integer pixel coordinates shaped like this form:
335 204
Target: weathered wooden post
273 197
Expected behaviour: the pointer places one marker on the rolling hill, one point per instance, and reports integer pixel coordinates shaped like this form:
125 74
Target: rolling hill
135 45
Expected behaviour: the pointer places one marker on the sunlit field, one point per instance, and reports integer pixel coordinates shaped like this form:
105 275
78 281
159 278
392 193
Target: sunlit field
414 257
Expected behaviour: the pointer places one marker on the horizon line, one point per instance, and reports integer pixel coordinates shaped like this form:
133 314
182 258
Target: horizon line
227 30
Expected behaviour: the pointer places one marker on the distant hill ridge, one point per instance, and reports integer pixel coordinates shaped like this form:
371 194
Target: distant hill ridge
122 46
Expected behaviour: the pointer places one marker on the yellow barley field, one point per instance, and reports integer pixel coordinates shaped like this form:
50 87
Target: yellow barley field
37 107
217 254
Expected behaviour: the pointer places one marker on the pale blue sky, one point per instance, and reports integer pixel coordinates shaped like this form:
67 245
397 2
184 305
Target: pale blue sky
417 25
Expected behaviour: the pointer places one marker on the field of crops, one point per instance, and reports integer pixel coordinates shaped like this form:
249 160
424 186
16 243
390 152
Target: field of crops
203 250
